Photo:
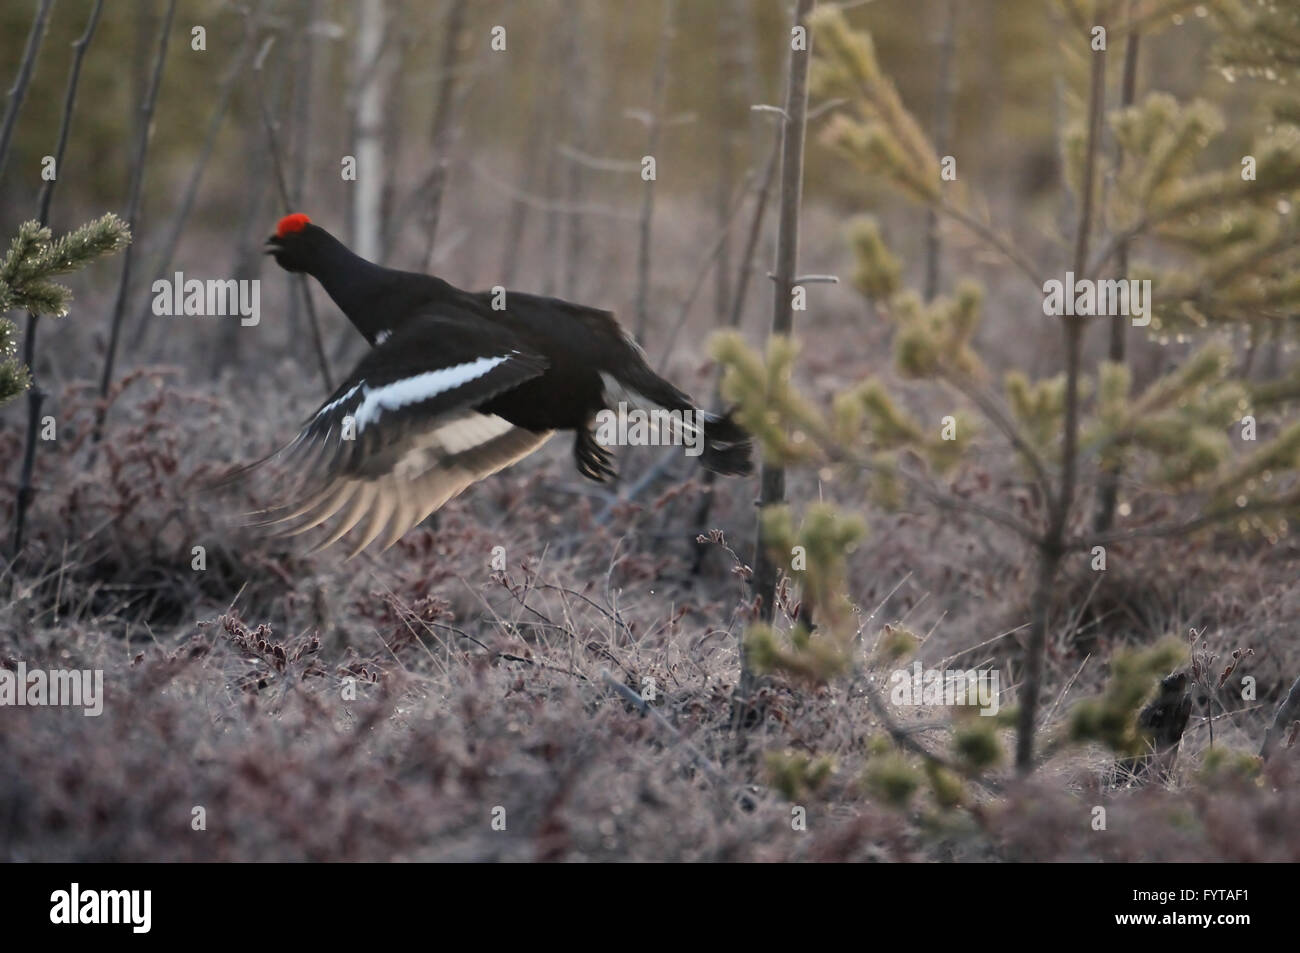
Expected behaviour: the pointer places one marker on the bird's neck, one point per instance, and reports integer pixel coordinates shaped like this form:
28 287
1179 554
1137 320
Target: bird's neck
355 284
373 297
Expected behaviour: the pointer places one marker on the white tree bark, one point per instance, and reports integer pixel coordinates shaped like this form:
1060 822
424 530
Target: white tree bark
368 189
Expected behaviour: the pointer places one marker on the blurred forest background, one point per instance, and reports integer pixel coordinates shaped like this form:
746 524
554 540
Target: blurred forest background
471 686
522 167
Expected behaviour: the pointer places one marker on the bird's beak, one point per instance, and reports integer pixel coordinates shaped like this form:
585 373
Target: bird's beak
272 246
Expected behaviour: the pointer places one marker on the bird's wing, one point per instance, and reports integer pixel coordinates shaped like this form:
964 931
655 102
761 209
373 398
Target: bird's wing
400 437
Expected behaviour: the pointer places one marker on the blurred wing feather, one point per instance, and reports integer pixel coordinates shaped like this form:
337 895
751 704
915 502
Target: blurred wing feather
402 435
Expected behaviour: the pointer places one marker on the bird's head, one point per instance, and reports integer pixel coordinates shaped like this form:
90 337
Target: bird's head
295 242
1174 684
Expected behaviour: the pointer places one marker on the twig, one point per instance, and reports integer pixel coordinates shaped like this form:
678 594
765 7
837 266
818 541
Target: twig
992 238
224 96
701 760
710 260
794 127
903 738
133 208
934 495
300 131
443 116
1065 690
636 489
1001 635
1158 530
595 163
583 71
1108 490
946 93
989 406
701 516
654 123
18 92
544 204
36 394
283 186
1052 546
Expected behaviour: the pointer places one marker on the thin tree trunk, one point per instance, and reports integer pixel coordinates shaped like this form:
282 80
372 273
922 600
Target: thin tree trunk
190 192
301 137
368 142
282 189
1053 545
1049 562
740 79
731 123
133 205
36 393
1074 325
583 109
519 209
394 136
259 171
701 517
18 92
559 50
772 478
654 137
534 137
1108 491
946 92
443 122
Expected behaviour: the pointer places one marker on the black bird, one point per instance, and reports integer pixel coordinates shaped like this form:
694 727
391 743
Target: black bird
1160 725
458 385
1164 719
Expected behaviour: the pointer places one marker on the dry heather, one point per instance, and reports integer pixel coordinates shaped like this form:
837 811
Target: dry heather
390 708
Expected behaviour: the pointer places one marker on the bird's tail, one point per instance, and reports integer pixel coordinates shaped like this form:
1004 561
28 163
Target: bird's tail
728 447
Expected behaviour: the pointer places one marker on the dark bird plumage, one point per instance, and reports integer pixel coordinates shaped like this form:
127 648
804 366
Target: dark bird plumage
1160 725
457 385
1164 719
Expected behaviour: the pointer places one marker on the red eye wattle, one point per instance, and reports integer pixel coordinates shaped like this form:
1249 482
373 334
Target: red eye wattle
290 224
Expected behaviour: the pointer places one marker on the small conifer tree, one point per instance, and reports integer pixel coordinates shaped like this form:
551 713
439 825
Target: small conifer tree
34 258
1219 244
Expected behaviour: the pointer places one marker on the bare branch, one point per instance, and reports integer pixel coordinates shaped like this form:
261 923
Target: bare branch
133 204
282 184
772 478
654 127
36 393
18 92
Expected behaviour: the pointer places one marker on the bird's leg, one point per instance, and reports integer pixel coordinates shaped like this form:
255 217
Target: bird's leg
594 461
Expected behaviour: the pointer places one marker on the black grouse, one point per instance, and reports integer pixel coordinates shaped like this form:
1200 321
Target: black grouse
1160 725
457 385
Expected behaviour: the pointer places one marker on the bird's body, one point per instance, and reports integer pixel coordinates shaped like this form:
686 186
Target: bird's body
457 385
1160 726
1164 719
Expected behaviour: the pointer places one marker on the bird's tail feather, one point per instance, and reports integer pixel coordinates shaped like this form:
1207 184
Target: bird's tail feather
728 448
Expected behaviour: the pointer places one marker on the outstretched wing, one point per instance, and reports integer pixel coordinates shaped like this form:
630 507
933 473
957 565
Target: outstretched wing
401 436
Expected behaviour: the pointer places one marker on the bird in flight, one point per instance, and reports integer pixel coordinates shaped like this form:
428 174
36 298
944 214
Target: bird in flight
457 385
